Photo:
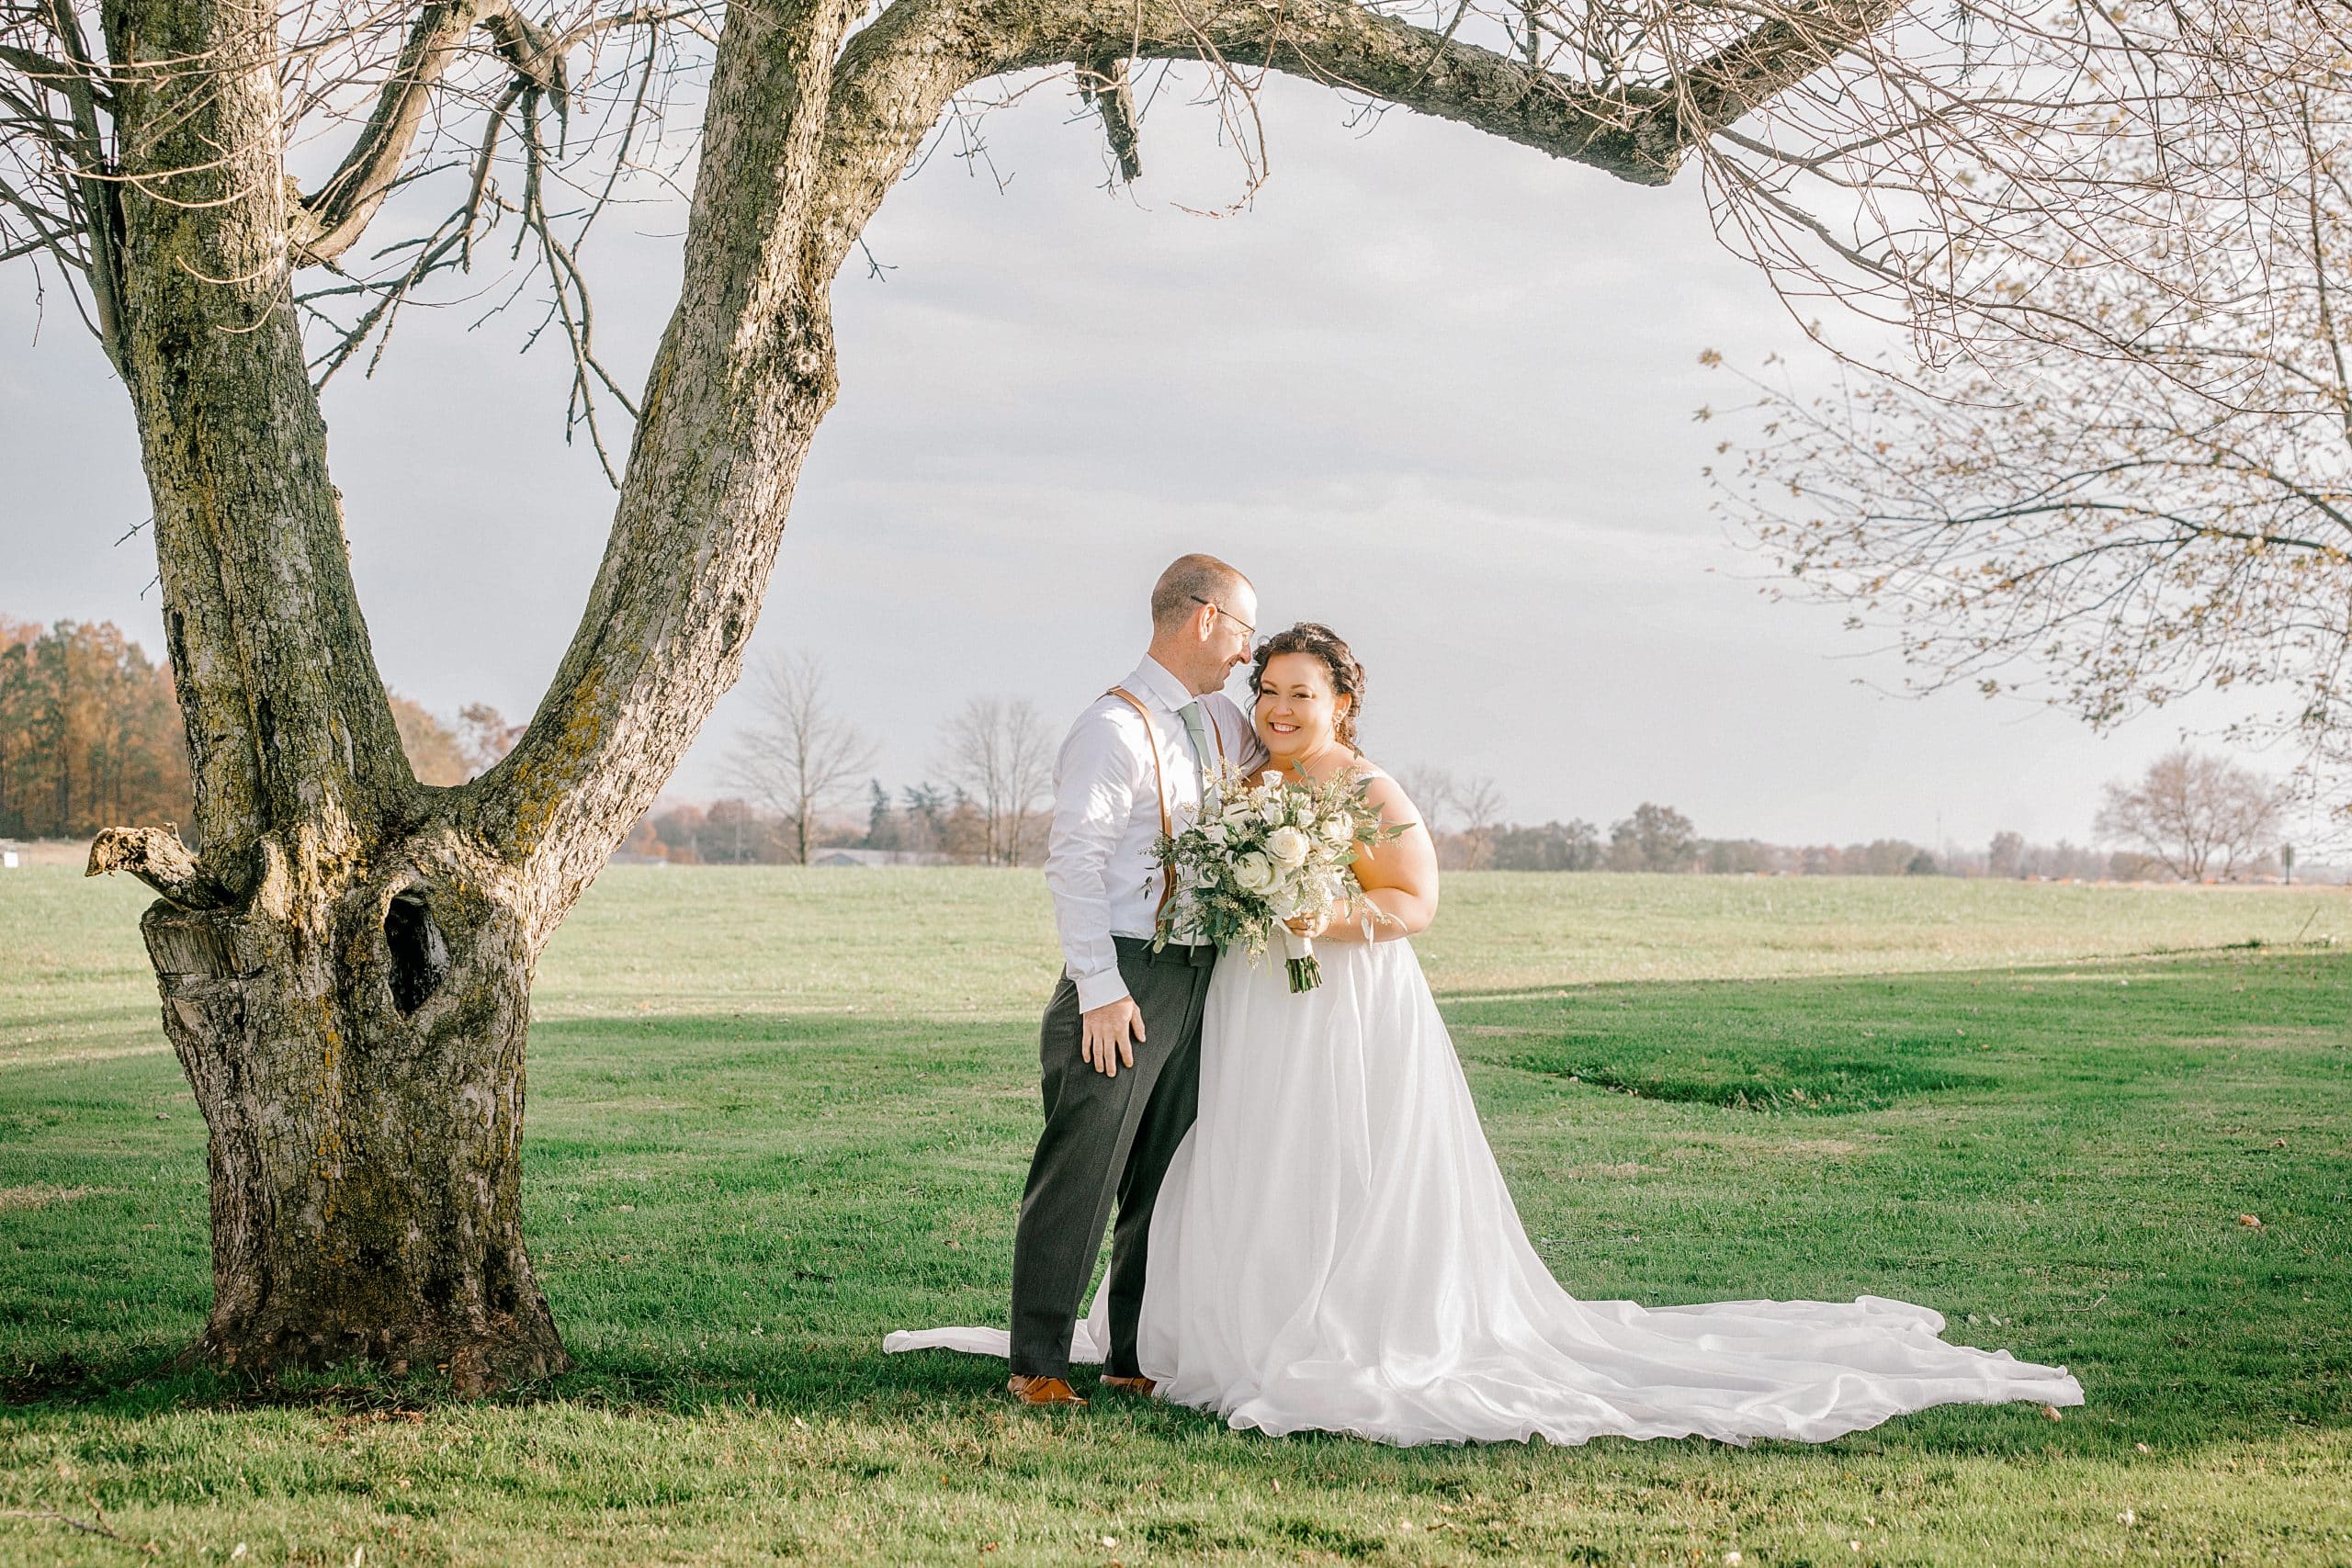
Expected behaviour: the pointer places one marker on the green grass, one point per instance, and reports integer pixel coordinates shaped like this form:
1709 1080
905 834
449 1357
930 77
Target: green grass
774 1114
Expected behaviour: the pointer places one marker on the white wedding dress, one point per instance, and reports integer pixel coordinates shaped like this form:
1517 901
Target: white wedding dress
1333 1249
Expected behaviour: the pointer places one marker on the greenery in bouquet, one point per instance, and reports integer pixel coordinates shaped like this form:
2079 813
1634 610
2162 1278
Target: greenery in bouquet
1264 852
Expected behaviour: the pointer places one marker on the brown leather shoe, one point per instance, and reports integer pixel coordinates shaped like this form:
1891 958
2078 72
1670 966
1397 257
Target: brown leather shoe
1046 1392
1140 1388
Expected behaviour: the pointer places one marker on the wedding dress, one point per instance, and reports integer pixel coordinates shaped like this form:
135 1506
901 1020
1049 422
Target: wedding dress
1334 1249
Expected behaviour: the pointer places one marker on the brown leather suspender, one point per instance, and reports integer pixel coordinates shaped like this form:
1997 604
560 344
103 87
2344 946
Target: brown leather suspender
1167 824
1159 779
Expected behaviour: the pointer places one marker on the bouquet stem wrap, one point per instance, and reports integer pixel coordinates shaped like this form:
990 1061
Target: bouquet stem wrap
1306 969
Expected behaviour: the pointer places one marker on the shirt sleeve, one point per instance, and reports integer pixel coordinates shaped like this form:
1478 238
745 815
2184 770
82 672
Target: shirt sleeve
1094 794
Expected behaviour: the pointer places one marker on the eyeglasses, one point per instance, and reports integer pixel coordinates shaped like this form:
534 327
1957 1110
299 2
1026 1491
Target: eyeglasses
1226 612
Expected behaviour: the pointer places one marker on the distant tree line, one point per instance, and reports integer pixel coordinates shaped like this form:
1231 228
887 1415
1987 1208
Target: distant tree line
925 823
2190 817
90 734
798 768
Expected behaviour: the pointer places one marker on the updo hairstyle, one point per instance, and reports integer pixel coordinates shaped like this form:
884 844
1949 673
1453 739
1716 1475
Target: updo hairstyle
1347 675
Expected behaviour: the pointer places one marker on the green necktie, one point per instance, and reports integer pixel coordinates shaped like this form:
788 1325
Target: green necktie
1197 734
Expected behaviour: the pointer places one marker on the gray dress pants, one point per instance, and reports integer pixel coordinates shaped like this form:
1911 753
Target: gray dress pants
1106 1139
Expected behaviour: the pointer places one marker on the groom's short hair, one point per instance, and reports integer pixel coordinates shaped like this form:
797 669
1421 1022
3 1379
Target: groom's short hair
1188 581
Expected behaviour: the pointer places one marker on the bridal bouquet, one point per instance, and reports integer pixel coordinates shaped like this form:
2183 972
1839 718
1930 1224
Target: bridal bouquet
1264 853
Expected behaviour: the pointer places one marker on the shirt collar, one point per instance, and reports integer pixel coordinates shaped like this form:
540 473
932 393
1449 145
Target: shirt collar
1152 680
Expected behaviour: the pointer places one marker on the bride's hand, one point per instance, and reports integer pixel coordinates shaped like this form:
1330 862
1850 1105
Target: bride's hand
1311 925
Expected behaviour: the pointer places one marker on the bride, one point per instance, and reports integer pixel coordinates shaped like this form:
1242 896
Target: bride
1333 1248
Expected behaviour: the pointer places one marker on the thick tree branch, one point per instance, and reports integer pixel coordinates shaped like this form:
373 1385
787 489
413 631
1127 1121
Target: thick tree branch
1716 93
157 857
897 74
745 374
1104 85
288 730
329 223
96 201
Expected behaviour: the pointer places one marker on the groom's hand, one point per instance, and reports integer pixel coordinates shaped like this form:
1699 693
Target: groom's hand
1104 1035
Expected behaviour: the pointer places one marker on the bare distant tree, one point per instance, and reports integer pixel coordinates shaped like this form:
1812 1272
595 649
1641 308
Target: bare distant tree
2195 813
797 757
999 752
1431 790
1480 801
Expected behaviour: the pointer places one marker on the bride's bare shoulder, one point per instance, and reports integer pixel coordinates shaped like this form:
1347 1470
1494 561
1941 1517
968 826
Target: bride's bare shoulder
1380 789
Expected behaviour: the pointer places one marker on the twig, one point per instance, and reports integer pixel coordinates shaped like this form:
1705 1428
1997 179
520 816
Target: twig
87 1527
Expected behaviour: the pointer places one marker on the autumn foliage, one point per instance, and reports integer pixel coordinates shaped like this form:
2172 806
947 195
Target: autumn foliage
89 733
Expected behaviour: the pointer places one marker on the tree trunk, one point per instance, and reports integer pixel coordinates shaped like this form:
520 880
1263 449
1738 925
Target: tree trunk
357 1055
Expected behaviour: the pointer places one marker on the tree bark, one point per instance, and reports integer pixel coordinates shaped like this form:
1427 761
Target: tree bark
357 1055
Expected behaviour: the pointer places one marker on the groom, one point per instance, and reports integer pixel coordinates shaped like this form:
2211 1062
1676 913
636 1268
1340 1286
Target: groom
1120 1048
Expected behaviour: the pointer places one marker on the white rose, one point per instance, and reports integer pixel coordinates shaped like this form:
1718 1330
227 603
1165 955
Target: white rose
1270 779
1288 845
1255 872
1214 832
1340 828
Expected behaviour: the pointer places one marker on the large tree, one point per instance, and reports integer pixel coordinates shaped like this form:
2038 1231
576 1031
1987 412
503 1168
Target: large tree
346 957
2138 485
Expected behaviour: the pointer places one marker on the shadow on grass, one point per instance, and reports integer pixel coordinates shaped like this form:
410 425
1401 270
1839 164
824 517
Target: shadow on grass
731 1209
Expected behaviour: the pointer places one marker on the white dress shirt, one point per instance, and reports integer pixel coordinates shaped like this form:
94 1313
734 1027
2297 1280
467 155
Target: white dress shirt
1099 860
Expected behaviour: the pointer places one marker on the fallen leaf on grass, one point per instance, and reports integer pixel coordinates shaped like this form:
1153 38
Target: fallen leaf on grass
2251 1221
2051 1410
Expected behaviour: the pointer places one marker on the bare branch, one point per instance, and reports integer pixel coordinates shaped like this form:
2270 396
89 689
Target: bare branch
339 212
1104 83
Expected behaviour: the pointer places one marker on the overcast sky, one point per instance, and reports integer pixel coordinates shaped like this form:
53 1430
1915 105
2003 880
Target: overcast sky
1430 388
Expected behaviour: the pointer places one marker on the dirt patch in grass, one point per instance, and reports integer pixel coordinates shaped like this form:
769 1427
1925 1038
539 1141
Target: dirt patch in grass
41 1194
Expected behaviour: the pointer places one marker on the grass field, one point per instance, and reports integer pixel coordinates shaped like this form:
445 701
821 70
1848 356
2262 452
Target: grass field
775 1114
